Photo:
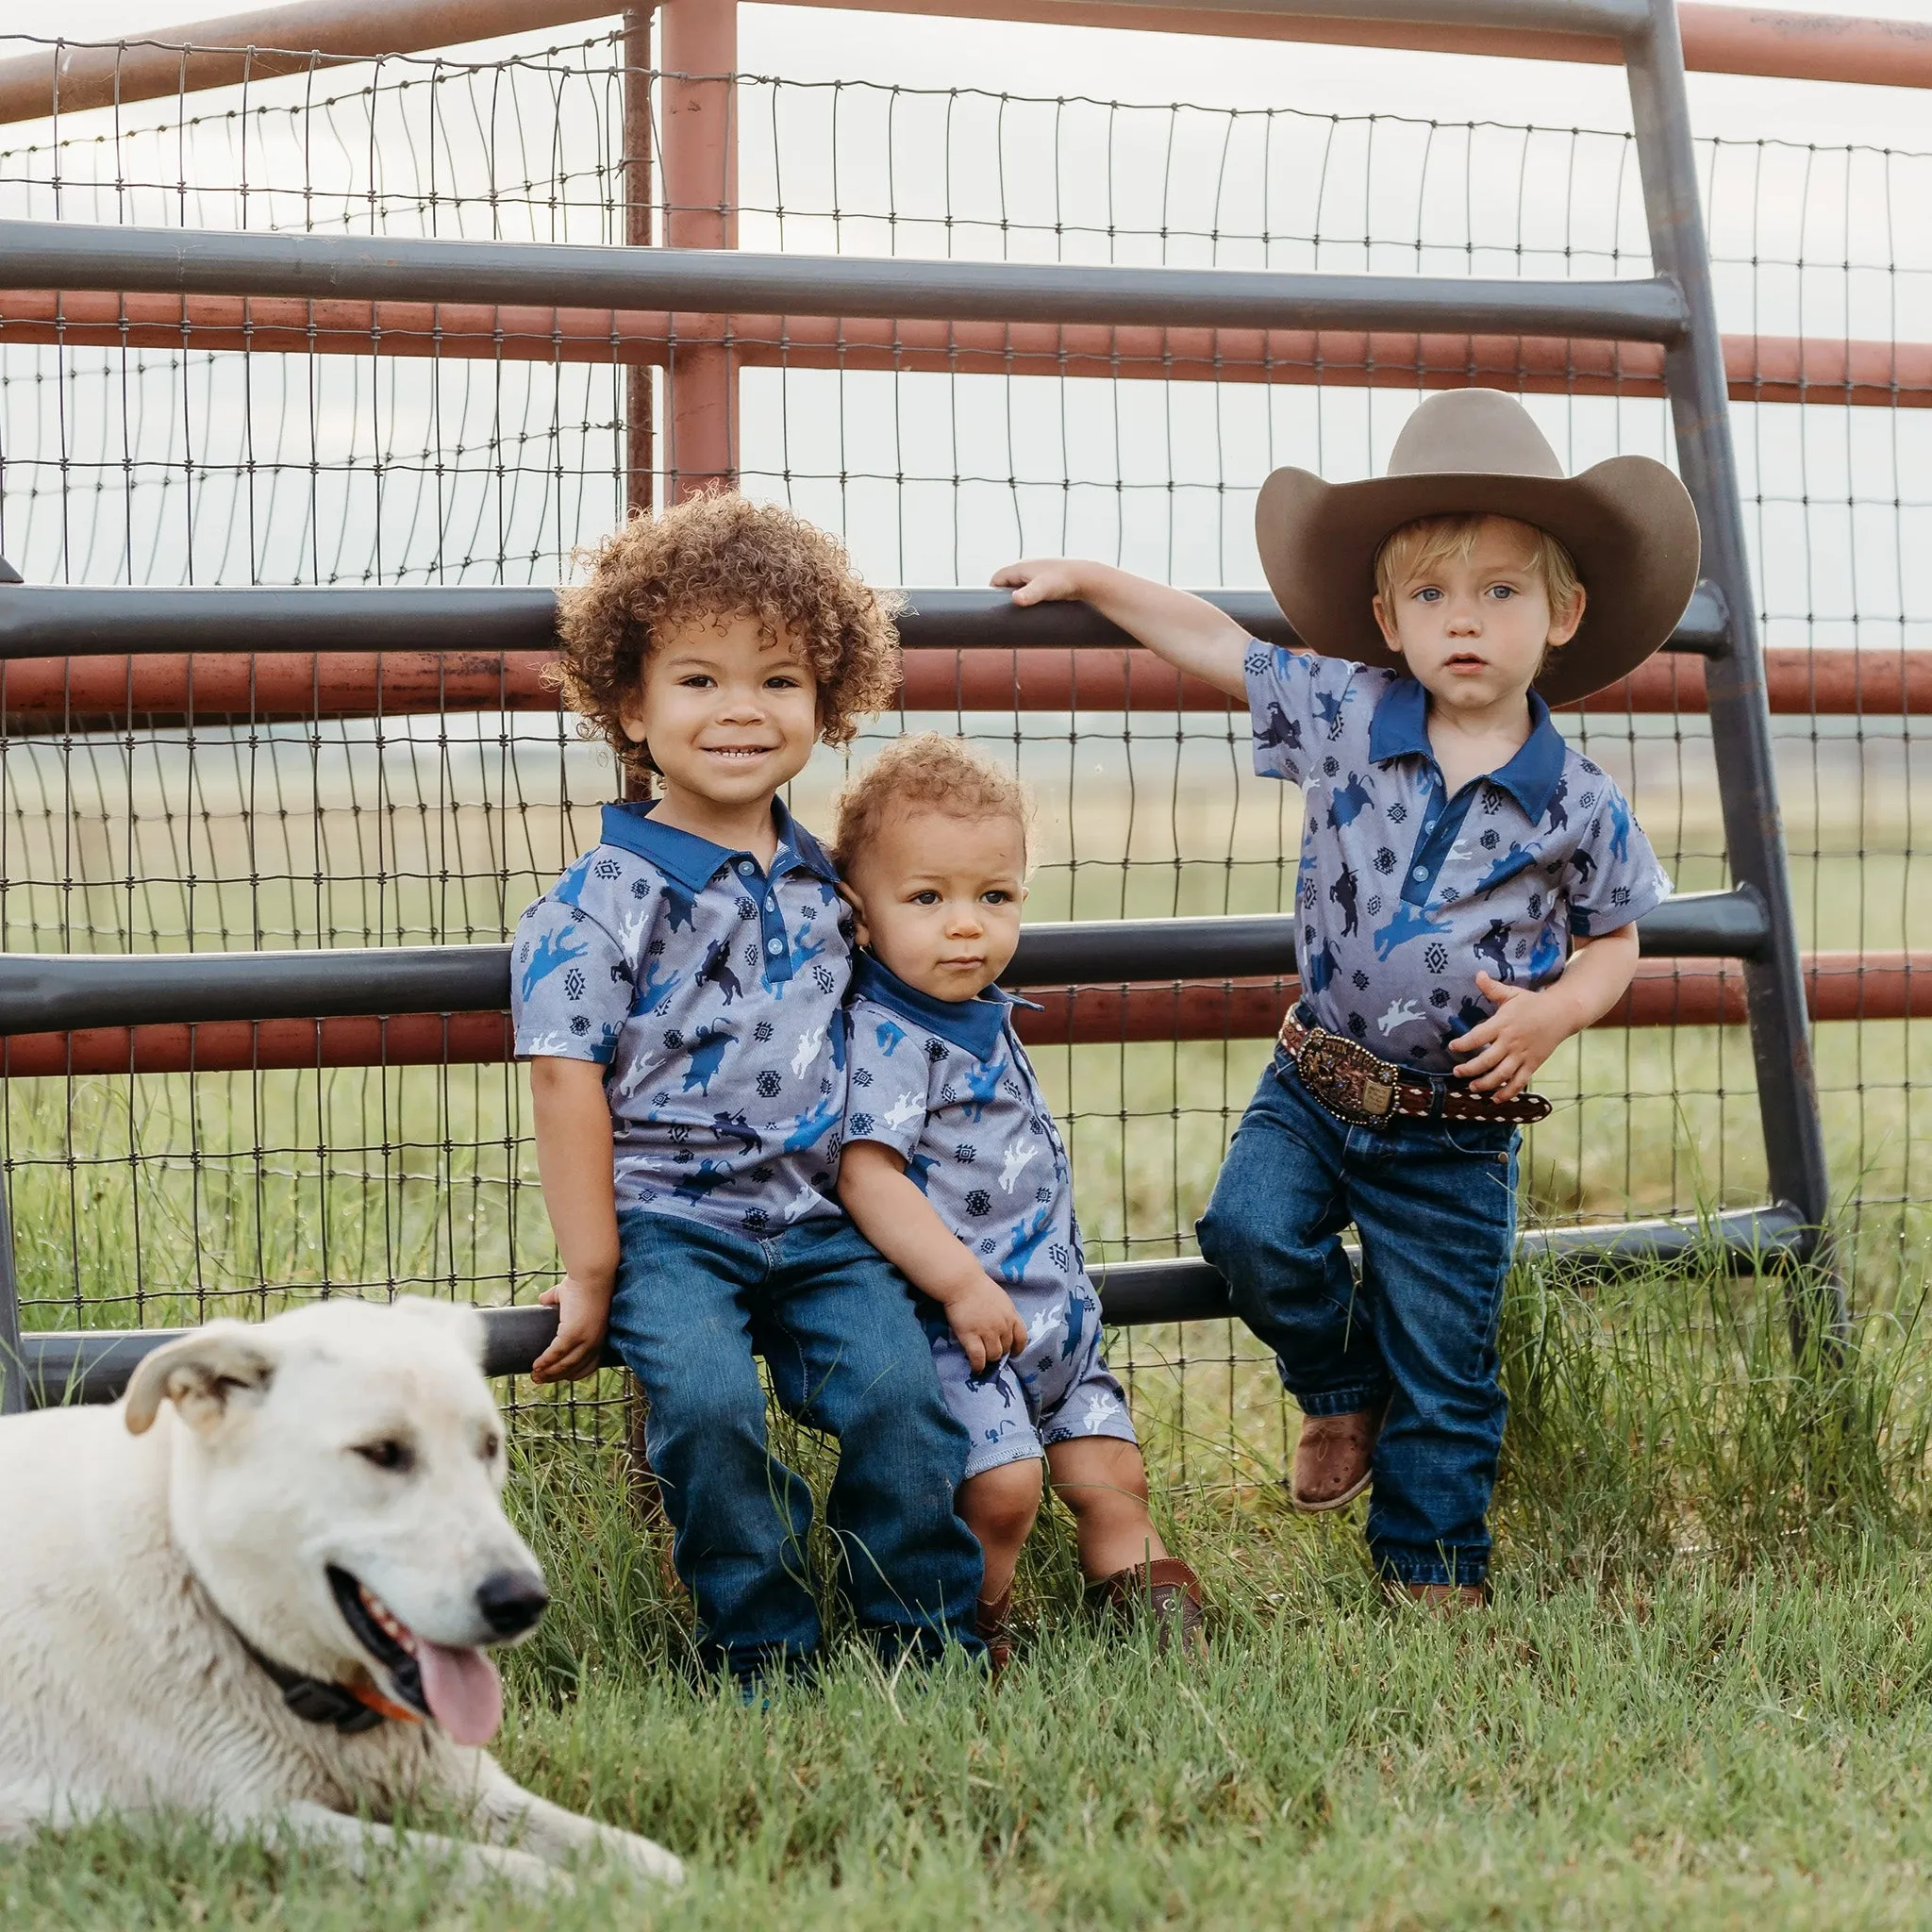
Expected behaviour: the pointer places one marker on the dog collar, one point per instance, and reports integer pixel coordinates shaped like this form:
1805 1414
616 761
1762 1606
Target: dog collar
316 1700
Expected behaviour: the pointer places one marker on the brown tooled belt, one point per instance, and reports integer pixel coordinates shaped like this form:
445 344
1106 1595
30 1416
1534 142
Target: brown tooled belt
1365 1091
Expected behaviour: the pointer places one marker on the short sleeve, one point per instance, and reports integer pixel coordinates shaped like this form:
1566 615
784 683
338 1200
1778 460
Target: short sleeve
888 1081
569 983
1614 876
1293 698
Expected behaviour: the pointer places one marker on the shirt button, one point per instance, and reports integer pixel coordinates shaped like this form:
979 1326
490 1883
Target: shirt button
1421 871
1428 826
771 904
745 868
774 945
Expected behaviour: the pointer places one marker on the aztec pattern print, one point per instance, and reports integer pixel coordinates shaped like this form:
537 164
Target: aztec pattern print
710 992
947 1085
1404 894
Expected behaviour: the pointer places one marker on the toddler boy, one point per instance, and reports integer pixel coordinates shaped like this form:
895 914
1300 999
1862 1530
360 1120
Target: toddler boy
679 994
953 1168
1466 897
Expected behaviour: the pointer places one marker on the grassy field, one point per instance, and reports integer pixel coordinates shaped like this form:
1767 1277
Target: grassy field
1700 1699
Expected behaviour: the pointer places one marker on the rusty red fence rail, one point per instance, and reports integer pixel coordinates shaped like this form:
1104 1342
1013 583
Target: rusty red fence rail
1666 992
107 694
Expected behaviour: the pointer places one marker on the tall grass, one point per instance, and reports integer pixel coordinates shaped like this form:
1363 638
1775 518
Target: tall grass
1700 1696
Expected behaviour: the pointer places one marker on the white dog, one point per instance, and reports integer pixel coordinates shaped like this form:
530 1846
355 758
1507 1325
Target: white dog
262 1589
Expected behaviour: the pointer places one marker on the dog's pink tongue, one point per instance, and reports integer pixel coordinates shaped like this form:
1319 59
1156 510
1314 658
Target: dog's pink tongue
463 1690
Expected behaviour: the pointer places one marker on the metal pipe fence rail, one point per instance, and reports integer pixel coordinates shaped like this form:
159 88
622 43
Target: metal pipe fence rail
75 993
95 1365
308 36
76 658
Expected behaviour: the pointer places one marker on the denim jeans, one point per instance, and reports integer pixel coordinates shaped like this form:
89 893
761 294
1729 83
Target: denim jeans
1435 1206
836 1325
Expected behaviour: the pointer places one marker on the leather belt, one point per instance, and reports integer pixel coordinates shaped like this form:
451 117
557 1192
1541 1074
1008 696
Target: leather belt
1365 1091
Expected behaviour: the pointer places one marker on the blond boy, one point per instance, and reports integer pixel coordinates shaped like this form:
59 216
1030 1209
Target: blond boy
1466 900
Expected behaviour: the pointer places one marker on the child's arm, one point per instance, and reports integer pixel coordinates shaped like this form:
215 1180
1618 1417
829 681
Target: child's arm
1527 1027
573 1163
1184 630
892 1213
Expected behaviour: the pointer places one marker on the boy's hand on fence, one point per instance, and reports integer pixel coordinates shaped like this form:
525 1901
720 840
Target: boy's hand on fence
986 1323
1525 1029
1042 580
583 1313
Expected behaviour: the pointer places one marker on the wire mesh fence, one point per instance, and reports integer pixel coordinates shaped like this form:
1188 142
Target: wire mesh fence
156 441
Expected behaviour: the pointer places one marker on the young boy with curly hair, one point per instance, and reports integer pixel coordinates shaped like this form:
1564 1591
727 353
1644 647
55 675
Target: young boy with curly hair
953 1168
679 994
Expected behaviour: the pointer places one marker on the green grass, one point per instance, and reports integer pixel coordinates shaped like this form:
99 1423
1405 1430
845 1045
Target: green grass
1701 1697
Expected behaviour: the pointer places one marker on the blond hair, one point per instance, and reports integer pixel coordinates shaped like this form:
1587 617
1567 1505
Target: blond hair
718 556
928 772
1412 548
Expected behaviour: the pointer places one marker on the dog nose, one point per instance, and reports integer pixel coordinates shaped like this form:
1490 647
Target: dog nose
511 1601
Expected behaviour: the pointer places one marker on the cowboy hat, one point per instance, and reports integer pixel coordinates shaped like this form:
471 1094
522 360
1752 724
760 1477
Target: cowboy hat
1629 522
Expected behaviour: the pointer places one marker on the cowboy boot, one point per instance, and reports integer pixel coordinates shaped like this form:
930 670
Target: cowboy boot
1164 1589
1333 1459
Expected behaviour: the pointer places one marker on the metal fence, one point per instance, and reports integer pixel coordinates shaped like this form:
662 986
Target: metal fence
187 805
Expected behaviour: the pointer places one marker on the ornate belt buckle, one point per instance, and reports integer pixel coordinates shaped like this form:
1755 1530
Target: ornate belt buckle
1351 1082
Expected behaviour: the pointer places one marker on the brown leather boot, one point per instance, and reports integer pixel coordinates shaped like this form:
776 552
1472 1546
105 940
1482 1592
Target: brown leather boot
1333 1459
996 1633
1440 1599
1165 1590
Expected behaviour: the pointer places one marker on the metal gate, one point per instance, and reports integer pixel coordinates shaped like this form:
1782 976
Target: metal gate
1106 980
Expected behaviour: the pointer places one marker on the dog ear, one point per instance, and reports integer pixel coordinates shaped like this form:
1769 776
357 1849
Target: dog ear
458 1318
200 1373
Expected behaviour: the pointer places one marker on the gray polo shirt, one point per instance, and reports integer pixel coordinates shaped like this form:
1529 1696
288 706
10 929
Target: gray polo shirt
1404 894
947 1085
709 991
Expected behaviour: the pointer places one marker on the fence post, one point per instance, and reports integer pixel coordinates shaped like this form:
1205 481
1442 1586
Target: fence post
638 413
1734 681
700 121
12 1360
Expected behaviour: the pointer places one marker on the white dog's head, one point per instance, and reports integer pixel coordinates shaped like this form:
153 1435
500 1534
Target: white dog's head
336 1485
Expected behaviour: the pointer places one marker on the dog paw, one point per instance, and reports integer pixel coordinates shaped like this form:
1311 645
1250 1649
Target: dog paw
526 1872
641 1854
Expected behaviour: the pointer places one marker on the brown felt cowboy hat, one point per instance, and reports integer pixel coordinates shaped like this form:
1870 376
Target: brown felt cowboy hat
1627 522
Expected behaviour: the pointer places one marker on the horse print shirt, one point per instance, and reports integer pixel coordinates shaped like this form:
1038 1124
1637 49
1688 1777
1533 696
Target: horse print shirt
1404 894
709 989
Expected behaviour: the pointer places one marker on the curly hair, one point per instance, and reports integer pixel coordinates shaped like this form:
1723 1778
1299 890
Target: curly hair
938 773
718 556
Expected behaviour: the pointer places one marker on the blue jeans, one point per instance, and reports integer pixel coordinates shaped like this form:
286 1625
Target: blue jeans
836 1325
1435 1206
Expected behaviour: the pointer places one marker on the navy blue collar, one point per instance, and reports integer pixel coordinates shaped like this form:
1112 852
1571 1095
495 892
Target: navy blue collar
974 1025
1400 728
694 862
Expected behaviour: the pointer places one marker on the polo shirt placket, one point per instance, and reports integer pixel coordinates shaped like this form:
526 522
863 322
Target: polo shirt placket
1404 894
947 1085
725 1055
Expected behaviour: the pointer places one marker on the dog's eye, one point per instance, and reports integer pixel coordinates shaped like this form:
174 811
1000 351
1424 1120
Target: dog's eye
388 1453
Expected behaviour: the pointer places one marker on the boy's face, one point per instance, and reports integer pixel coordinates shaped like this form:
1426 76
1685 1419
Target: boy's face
938 898
728 714
1473 630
